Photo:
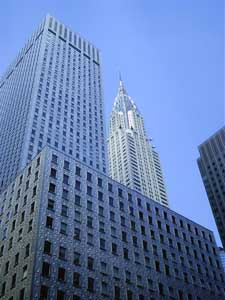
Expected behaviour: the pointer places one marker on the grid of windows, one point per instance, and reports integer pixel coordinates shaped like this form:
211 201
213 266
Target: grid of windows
129 245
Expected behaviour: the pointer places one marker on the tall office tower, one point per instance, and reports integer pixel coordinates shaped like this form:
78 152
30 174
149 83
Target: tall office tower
69 232
133 160
222 256
52 94
212 168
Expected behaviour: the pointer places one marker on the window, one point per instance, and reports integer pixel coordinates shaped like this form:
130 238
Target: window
1 250
110 187
76 258
65 194
45 269
52 188
129 295
77 185
78 171
77 200
64 211
90 238
114 248
104 287
89 190
117 292
76 279
112 216
124 236
77 216
125 253
100 196
16 259
65 179
13 282
60 295
89 205
90 284
120 192
76 233
53 173
90 263
49 222
6 268
51 204
61 274
3 289
89 221
63 228
89 176
47 247
102 244
66 165
99 182
161 290
44 292
27 250
62 253
22 294
157 266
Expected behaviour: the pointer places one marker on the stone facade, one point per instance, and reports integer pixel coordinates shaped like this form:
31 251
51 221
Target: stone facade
91 237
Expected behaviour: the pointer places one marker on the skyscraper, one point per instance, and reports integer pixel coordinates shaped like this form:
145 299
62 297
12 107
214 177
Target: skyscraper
212 168
52 94
133 160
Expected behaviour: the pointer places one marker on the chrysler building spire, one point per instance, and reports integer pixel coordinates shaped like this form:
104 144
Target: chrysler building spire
133 160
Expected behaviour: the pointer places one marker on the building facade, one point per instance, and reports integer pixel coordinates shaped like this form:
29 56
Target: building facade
68 231
212 168
133 160
52 94
222 256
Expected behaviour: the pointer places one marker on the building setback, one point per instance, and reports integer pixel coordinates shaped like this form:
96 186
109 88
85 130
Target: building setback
212 168
69 232
133 160
52 94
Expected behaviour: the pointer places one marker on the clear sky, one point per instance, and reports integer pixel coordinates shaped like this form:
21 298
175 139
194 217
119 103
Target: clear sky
171 56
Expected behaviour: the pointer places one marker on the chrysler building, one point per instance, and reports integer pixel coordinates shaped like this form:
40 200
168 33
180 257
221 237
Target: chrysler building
133 160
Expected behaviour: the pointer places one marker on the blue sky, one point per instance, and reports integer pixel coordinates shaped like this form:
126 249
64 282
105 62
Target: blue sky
171 56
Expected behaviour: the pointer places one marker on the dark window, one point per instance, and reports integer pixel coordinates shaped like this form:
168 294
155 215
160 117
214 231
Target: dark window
90 263
22 294
47 247
61 274
44 292
49 222
52 188
78 171
114 248
76 279
45 269
13 283
76 258
60 295
51 204
129 295
90 284
117 292
62 253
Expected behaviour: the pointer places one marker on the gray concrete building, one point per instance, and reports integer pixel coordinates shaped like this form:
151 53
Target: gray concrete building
52 94
68 231
212 168
133 160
